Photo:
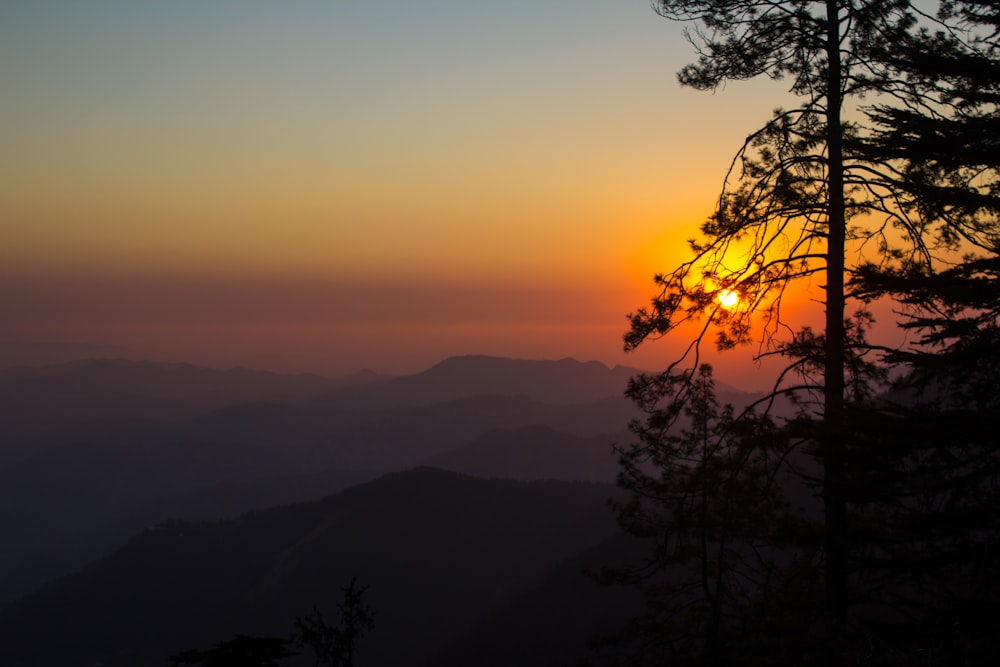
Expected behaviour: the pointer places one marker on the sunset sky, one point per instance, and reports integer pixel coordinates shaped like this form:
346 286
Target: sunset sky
327 185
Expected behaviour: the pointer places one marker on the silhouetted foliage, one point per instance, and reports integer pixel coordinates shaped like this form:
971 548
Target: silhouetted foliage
785 218
812 195
335 645
926 495
945 142
928 488
706 490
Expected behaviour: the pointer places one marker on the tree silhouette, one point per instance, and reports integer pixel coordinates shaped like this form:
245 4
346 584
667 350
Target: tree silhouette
928 516
926 490
335 645
795 191
810 195
945 143
722 567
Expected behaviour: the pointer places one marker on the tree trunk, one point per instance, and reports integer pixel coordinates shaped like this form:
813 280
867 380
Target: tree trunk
833 438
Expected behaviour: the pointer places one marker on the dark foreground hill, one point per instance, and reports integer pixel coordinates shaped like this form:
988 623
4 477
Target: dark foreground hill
71 503
556 623
439 550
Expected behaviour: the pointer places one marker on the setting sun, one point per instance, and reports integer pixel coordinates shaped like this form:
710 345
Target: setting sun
728 298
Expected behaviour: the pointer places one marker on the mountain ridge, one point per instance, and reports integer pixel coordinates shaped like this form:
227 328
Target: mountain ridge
438 549
81 479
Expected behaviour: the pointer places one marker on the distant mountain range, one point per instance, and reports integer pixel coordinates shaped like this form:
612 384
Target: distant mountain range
43 399
93 452
552 455
560 382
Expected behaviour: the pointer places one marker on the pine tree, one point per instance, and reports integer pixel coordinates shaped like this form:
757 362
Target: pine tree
925 500
795 192
928 514
807 193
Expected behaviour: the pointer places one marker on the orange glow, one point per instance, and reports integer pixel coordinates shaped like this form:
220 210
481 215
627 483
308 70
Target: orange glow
271 201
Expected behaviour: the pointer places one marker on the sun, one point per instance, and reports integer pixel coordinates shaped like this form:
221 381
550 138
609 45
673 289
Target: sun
728 298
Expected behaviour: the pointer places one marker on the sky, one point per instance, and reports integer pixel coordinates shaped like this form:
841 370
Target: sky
328 185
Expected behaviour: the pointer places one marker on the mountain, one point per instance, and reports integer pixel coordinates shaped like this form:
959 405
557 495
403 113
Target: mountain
534 452
554 623
39 405
59 518
97 387
566 381
115 444
93 450
439 550
85 493
37 402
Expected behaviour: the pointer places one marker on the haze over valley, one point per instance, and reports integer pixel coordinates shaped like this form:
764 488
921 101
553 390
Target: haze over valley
107 462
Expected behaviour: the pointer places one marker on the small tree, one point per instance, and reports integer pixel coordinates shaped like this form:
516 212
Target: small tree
336 645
